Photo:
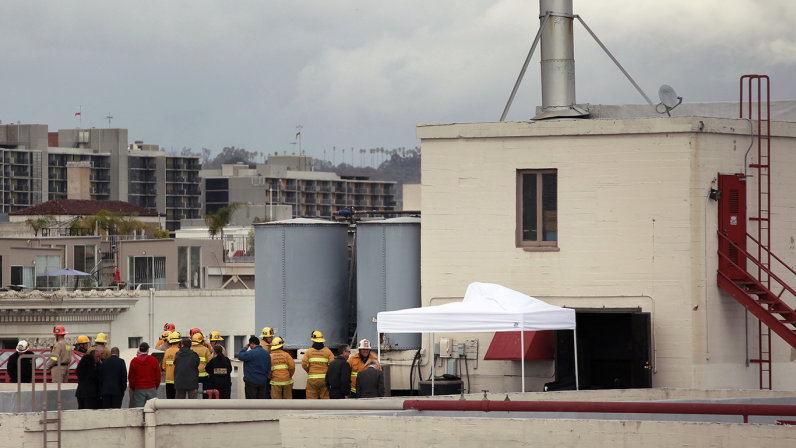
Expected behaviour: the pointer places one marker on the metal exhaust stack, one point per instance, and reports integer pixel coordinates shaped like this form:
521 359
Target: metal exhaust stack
558 61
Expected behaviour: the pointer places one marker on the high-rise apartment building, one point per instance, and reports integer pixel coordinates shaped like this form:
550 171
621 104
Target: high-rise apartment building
95 164
22 147
287 180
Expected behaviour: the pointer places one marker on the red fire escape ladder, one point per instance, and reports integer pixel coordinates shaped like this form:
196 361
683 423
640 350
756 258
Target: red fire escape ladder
763 218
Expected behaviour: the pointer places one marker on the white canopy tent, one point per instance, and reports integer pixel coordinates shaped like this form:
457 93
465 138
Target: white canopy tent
486 307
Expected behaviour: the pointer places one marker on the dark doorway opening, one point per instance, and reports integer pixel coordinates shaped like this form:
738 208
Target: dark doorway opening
613 352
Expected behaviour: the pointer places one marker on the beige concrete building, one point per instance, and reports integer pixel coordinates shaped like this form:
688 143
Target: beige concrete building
611 217
411 197
24 261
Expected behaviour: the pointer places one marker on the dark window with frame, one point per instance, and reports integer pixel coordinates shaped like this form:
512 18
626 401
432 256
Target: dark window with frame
537 209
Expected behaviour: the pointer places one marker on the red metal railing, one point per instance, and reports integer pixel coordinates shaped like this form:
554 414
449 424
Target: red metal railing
769 303
761 266
744 410
38 371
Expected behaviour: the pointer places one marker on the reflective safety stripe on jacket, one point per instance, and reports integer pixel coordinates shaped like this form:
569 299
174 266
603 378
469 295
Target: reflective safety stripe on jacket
316 375
202 364
353 381
282 367
357 365
170 364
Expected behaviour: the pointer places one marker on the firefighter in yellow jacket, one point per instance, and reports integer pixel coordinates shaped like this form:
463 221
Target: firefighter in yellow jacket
282 370
168 363
100 341
359 361
60 356
266 337
163 342
316 362
215 339
201 349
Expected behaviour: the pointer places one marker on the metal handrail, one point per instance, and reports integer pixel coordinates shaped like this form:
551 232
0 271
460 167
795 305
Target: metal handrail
756 262
771 253
739 409
59 408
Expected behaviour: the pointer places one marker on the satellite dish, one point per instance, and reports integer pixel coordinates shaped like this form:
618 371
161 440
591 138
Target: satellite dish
669 99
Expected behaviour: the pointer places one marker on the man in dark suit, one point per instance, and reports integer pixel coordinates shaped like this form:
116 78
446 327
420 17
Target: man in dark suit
113 376
26 372
88 381
370 382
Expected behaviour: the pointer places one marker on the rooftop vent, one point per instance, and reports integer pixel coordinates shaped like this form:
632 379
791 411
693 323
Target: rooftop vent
558 63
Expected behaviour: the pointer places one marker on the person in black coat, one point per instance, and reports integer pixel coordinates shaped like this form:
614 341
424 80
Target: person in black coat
219 369
370 382
338 377
186 371
88 380
113 377
26 368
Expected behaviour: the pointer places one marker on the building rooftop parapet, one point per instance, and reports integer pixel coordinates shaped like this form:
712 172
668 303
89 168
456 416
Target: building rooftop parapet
62 294
64 306
598 126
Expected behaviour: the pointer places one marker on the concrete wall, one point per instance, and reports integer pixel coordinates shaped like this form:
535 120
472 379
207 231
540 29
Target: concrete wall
463 431
125 427
294 428
635 230
411 197
113 141
78 175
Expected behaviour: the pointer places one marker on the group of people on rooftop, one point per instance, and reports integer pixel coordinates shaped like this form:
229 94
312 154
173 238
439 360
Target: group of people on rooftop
268 370
189 362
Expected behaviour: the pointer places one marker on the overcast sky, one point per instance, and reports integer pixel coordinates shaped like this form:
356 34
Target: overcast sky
358 73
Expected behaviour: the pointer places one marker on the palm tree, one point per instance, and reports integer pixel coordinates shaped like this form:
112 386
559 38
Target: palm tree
220 219
108 223
40 223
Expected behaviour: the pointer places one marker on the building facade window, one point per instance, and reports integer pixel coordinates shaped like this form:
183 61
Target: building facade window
537 209
134 342
196 267
23 276
189 267
84 257
45 264
149 272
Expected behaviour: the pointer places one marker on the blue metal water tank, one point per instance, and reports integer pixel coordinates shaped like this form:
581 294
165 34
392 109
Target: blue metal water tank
301 280
388 275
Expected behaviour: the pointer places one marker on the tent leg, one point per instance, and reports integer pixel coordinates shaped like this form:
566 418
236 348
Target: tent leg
378 347
433 361
522 357
575 344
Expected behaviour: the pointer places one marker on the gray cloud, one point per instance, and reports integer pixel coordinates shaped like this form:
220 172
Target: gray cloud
358 73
